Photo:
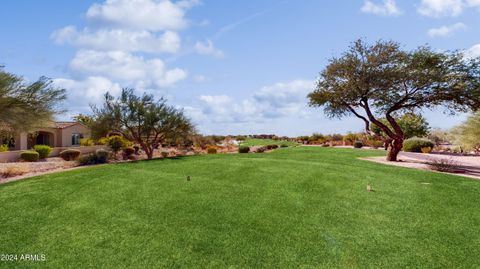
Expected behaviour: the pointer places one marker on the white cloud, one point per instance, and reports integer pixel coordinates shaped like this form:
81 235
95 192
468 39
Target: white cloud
473 52
207 48
440 8
141 14
386 8
125 67
447 30
270 102
82 93
118 39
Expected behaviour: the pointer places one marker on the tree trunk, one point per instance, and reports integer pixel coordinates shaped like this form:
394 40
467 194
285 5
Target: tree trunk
394 148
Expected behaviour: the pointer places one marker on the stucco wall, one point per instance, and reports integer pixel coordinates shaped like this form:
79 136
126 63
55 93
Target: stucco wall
74 129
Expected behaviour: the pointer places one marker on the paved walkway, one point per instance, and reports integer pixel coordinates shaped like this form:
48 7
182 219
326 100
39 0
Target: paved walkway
468 166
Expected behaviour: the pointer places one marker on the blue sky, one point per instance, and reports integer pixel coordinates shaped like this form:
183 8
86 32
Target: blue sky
234 66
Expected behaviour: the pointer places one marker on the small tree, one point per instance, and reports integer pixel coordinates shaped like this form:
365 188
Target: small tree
381 80
467 134
143 119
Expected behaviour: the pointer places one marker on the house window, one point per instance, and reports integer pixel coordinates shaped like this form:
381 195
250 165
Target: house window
76 139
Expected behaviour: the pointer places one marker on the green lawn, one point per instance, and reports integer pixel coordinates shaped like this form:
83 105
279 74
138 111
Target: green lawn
264 142
295 207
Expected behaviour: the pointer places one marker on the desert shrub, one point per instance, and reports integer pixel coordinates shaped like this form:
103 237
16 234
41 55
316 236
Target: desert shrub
87 159
3 147
100 156
416 144
128 151
358 144
261 150
102 141
70 154
426 149
13 171
444 165
43 150
284 146
86 142
30 156
243 149
164 154
136 149
117 143
211 150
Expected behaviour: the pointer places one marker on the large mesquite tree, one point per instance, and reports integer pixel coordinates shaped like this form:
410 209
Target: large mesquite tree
23 105
382 80
143 119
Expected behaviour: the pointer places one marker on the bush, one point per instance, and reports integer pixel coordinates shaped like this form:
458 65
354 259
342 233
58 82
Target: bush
129 151
274 146
416 144
284 146
261 150
243 149
164 154
358 144
70 154
3 147
211 150
100 156
325 145
30 156
43 150
137 149
444 165
117 143
86 142
13 171
426 150
102 141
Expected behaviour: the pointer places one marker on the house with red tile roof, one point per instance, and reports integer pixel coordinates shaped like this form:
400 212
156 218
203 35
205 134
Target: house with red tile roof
55 134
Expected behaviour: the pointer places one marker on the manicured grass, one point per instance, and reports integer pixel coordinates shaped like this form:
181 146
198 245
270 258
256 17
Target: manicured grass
264 142
295 207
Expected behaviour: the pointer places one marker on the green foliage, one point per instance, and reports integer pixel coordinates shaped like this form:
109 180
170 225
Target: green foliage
86 142
467 134
43 150
3 147
413 125
381 80
243 149
211 150
70 154
25 105
144 120
29 156
358 144
116 143
416 144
